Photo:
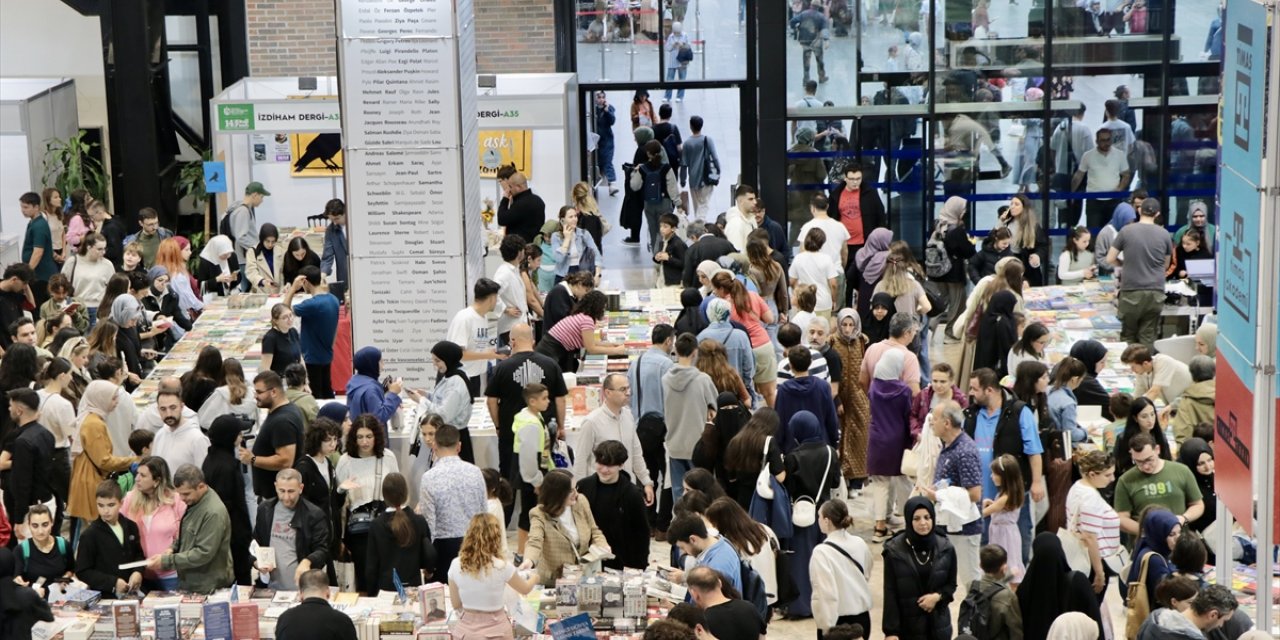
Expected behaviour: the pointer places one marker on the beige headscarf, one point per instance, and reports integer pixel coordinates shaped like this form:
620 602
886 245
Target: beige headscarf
952 212
1073 625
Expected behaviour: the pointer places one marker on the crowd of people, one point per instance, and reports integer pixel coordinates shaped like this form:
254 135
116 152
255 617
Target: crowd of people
799 374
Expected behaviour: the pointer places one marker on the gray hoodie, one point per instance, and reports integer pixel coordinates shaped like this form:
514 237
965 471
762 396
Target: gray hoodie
688 393
1167 624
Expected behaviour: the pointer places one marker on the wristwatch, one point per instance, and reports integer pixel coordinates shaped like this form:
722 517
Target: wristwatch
253 461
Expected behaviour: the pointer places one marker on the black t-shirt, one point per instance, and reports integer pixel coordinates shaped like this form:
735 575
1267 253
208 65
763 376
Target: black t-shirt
286 348
510 377
282 428
10 310
734 620
51 566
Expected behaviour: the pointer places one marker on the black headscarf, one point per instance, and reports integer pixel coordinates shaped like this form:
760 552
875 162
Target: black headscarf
997 332
1058 588
267 230
730 416
1189 455
223 432
691 318
1090 352
878 330
451 355
919 542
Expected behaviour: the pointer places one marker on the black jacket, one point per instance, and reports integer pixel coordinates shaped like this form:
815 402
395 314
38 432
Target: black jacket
167 305
558 304
903 587
113 231
708 247
1091 393
524 216
384 554
319 491
310 524
673 268
983 263
314 619
622 519
208 272
222 474
960 250
100 554
29 478
1008 438
873 215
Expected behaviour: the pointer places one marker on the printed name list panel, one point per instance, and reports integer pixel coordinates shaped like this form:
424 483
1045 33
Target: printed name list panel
401 93
404 304
411 203
398 18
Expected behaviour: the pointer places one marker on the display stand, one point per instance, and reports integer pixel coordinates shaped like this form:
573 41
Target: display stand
539 110
257 124
32 112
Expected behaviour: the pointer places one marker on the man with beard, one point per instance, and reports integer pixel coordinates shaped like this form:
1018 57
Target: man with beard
180 441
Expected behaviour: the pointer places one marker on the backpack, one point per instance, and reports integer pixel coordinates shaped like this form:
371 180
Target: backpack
672 146
25 548
753 589
224 225
975 610
937 263
654 190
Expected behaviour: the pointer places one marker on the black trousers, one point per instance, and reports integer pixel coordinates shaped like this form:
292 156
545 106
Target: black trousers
321 382
358 546
60 478
446 550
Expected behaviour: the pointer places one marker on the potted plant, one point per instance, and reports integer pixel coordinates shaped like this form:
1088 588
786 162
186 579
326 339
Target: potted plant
190 181
68 166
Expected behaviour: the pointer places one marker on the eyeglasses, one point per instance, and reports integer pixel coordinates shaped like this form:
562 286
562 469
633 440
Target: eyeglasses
1147 461
622 389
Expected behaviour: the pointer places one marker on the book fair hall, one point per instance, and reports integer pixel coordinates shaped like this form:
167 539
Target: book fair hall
639 319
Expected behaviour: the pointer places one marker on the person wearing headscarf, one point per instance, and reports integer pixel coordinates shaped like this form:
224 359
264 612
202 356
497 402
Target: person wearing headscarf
919 578
1160 529
21 607
813 469
1123 215
93 449
997 333
731 416
959 247
126 312
1198 456
451 398
1073 625
890 436
1058 589
1091 392
222 472
691 318
1207 340
737 344
264 263
850 343
1199 214
631 216
871 259
875 321
160 299
365 393
219 269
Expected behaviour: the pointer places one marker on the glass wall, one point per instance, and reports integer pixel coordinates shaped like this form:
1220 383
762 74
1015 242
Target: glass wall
642 40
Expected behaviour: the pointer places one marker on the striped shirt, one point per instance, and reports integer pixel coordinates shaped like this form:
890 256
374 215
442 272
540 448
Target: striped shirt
1088 512
817 367
569 330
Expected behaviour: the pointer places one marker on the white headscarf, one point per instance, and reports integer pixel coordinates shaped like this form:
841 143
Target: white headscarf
215 249
891 365
1073 625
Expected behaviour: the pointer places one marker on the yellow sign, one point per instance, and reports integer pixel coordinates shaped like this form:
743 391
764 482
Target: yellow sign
316 155
512 146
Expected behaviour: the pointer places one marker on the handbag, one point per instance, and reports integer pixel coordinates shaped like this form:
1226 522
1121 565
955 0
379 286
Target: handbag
685 54
1074 549
360 519
910 462
713 171
763 488
1139 607
804 511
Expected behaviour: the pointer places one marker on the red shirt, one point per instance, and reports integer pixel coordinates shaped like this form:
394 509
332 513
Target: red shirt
851 215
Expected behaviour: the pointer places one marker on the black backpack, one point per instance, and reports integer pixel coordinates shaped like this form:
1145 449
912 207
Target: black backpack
753 589
975 609
651 431
672 146
224 225
654 189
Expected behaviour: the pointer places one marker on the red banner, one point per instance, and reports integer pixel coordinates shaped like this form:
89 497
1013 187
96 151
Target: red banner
1232 445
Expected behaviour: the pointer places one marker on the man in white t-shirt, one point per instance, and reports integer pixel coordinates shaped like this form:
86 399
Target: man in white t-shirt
513 303
814 267
1107 170
837 245
1156 376
740 219
470 330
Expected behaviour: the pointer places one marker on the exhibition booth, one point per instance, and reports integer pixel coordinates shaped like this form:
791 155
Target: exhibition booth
33 113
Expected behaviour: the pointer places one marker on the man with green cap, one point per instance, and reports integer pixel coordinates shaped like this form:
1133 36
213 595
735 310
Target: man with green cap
242 220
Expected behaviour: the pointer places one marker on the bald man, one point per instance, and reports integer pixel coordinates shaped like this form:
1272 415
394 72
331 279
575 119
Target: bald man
151 420
506 389
521 211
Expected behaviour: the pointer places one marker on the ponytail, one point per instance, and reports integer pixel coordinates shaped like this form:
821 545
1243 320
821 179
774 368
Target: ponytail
395 491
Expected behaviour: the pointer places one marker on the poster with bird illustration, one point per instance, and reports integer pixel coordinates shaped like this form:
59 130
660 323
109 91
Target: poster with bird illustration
316 155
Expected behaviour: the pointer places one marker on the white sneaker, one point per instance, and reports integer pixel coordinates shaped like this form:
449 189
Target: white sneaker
678 100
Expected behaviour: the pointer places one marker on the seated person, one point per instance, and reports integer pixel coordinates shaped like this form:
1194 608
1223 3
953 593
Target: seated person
107 543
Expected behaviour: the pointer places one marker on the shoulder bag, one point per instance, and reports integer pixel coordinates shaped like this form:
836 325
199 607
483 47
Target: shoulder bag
861 571
360 519
804 510
1139 607
763 487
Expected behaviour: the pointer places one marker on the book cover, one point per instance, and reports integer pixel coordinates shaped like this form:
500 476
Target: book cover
244 621
590 595
432 602
566 597
167 623
573 628
612 605
217 621
125 615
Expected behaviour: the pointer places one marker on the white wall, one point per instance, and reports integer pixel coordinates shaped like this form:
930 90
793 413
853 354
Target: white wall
46 38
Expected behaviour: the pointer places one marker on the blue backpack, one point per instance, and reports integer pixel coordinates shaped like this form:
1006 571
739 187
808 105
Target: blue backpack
654 190
753 589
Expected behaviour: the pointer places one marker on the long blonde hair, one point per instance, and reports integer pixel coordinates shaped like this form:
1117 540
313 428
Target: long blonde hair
140 504
481 545
583 200
897 278
1028 224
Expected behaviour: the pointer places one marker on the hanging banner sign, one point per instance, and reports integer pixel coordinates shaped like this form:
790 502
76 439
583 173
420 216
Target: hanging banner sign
296 116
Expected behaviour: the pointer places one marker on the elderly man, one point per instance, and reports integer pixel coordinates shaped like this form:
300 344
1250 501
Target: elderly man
202 553
294 529
959 465
613 420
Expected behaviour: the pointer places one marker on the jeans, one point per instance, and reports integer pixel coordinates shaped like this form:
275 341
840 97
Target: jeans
93 317
683 71
678 469
651 213
816 50
926 369
604 160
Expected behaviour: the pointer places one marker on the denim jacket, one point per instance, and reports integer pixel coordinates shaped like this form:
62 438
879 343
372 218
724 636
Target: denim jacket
583 243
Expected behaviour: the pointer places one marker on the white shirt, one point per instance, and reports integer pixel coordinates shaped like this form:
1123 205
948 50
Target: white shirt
1089 512
494 507
815 268
737 226
366 472
472 332
58 416
603 424
1104 171
481 593
219 404
186 444
512 294
837 236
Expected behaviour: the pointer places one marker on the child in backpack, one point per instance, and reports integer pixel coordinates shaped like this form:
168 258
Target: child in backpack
1003 511
990 610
